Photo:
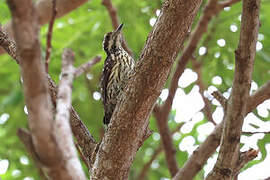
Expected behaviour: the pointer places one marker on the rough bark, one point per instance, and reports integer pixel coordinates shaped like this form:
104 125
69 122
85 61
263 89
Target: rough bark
237 104
130 119
43 7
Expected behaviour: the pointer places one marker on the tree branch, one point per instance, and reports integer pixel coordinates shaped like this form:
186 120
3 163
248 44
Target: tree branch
147 165
259 96
115 21
200 29
130 118
86 66
26 139
36 88
62 131
85 140
226 3
167 141
80 131
207 104
199 157
212 9
237 104
49 36
221 99
244 158
43 7
34 82
209 12
8 45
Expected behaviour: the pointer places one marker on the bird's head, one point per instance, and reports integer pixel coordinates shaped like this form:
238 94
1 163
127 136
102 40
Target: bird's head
112 40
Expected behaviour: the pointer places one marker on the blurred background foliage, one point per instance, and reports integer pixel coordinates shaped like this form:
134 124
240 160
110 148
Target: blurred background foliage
83 30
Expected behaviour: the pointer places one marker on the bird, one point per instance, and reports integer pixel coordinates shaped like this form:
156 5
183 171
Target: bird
117 70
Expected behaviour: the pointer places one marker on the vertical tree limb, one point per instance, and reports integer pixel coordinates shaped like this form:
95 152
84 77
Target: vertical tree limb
80 131
34 81
62 131
237 104
36 88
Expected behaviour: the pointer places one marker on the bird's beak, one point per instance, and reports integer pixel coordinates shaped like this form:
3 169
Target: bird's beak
118 30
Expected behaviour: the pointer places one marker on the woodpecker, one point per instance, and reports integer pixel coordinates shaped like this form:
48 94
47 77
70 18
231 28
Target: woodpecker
117 70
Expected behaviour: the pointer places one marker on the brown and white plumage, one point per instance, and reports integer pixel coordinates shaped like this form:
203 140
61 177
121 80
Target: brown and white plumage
117 70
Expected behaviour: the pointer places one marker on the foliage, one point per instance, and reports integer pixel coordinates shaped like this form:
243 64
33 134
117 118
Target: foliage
83 31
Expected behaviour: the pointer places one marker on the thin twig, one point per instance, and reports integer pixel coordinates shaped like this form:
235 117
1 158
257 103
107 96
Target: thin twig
85 160
244 158
259 96
167 141
207 104
86 66
221 99
115 21
227 3
43 7
255 132
49 36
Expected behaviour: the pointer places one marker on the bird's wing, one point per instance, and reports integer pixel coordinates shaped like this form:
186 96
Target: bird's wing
105 78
